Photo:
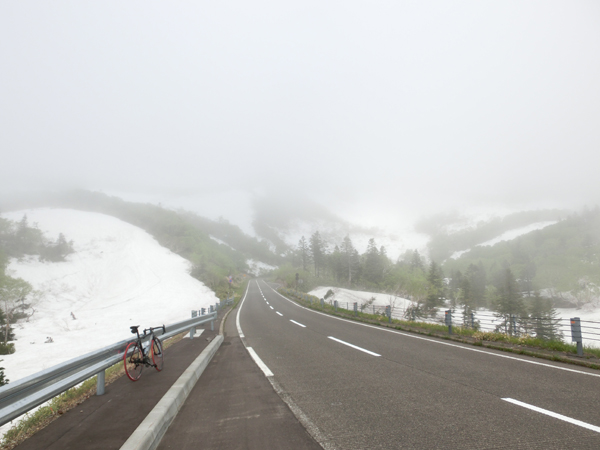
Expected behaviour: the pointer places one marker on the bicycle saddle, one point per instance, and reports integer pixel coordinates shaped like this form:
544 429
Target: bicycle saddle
134 329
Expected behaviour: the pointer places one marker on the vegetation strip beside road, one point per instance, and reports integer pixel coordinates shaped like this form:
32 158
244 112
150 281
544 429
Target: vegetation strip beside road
527 346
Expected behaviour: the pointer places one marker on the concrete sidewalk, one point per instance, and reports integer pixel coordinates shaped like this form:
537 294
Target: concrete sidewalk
233 406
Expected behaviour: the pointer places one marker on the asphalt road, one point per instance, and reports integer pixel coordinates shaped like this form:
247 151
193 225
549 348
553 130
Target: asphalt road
363 387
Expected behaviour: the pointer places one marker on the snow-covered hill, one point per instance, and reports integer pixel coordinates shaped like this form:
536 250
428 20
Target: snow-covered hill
118 276
509 236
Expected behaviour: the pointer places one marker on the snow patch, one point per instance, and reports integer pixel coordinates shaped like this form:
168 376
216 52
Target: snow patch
508 236
257 268
118 276
220 241
349 296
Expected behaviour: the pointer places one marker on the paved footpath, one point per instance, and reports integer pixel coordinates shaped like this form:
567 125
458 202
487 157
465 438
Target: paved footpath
232 406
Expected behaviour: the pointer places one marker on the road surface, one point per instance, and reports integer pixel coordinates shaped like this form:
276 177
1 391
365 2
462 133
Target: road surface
356 386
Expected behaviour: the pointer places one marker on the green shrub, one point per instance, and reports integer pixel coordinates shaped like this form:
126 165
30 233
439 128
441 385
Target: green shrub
7 349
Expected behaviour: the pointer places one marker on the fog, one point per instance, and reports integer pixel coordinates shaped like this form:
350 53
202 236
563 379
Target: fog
374 110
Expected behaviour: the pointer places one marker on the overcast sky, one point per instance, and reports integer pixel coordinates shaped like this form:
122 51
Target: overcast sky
389 105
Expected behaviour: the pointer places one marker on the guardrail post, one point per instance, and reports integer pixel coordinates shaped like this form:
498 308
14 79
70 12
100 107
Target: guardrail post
449 320
192 332
100 382
335 304
212 325
388 312
355 308
211 308
576 335
203 311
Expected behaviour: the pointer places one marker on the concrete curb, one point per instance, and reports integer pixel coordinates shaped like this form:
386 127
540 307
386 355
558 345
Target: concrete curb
149 433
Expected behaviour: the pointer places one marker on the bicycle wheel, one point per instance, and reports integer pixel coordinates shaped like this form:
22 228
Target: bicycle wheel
157 353
133 361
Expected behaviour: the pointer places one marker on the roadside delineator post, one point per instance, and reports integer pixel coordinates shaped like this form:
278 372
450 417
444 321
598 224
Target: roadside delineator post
449 320
322 303
335 305
388 313
355 308
100 383
576 335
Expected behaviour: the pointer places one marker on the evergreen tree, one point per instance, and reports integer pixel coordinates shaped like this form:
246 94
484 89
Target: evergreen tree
304 252
416 261
477 277
373 267
435 288
467 301
527 275
350 259
317 252
509 300
543 317
454 287
336 264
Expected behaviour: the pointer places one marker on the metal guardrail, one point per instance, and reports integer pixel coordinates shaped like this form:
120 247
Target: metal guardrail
23 395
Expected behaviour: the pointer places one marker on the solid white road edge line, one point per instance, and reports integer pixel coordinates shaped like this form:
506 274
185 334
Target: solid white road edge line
440 342
259 362
298 323
237 317
353 346
553 414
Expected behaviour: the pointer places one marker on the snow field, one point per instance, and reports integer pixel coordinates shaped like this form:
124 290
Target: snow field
118 276
349 296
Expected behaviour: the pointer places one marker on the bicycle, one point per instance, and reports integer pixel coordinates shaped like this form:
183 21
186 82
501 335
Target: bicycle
135 357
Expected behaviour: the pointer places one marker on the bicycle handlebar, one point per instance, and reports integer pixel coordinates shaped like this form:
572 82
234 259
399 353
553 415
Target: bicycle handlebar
151 329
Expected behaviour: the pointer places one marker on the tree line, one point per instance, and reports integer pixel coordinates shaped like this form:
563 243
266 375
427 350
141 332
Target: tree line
416 278
18 239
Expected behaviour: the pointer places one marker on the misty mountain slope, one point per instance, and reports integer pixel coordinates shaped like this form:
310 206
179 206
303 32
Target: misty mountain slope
118 276
284 221
508 236
183 232
453 232
561 257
